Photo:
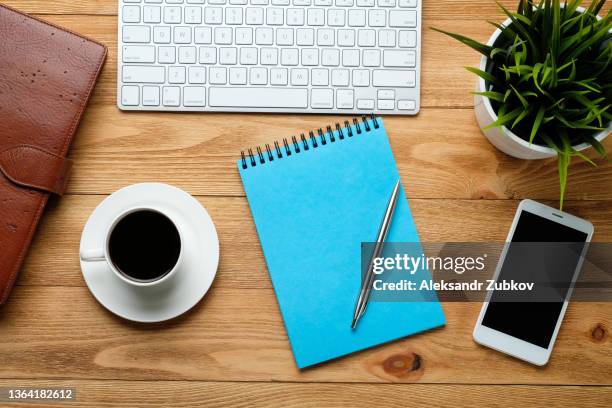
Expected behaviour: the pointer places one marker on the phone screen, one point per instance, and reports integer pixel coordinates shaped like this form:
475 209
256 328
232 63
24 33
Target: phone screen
534 322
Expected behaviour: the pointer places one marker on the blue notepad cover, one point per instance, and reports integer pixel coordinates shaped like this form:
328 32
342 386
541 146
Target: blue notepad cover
312 211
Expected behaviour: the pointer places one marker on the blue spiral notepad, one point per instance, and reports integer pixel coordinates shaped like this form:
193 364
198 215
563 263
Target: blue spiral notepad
315 199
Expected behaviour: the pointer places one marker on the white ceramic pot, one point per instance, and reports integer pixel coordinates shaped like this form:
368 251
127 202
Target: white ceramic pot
502 137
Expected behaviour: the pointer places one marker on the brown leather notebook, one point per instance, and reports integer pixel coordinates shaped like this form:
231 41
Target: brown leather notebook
46 77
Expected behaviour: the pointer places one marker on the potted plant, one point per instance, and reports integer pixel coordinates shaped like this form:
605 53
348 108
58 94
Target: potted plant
544 86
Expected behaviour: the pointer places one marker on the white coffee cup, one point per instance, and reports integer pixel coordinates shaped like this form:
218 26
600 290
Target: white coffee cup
102 254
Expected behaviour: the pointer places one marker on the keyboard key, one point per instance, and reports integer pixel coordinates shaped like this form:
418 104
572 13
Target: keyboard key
202 35
172 15
136 34
402 18
197 75
346 38
213 15
321 98
365 3
223 35
233 15
316 17
130 95
397 58
274 16
305 36
345 3
289 56
228 56
377 18
366 38
310 56
386 94
406 105
171 96
356 18
193 15
278 76
325 36
166 55
243 97
350 58
386 38
323 2
131 14
176 75
150 95
182 35
187 55
330 57
244 36
393 78
146 74
238 76
336 17
268 56
264 36
365 104
385 104
408 3
151 14
138 53
295 17
299 76
258 76
320 77
248 56
217 76
194 96
361 77
254 16
161 35
345 98
208 55
407 39
284 36
386 3
340 77
371 58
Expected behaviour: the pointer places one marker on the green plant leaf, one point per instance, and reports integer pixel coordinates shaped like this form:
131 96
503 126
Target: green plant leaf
520 117
503 118
597 146
496 96
536 123
484 75
523 101
481 48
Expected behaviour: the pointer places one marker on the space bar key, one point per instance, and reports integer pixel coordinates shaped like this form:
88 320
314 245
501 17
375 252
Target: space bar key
228 97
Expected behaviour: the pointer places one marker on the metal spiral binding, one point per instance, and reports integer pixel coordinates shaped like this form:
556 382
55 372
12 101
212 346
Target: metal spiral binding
320 139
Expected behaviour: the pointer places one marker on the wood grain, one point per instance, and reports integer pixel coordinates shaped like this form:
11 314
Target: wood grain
183 394
446 158
238 335
441 9
231 349
54 257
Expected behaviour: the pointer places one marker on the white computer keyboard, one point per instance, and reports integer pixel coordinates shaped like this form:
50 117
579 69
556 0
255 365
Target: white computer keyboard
306 56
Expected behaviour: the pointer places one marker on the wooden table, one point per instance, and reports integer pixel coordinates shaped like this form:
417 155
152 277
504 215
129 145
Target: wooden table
232 349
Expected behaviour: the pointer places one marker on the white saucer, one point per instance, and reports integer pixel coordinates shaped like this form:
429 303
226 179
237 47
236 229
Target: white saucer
182 291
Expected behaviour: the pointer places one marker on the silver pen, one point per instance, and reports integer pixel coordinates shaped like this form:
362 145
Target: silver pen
366 284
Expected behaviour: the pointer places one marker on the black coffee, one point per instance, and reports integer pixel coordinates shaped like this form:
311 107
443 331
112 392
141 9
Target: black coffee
144 245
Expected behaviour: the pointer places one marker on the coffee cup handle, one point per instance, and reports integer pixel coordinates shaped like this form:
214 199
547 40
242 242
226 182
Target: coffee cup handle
93 255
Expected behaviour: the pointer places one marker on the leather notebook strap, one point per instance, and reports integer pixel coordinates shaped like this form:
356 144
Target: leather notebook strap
33 167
